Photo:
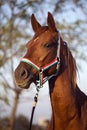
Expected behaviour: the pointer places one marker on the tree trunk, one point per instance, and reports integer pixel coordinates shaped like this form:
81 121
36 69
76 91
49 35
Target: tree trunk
12 117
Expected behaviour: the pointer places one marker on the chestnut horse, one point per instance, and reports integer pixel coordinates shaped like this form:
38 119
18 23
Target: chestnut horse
49 58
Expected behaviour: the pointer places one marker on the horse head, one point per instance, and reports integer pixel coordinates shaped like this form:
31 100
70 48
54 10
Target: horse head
42 50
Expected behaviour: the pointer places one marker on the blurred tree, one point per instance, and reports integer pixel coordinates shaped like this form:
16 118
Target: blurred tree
21 123
15 31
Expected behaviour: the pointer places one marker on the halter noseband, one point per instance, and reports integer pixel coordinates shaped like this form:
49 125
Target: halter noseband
56 62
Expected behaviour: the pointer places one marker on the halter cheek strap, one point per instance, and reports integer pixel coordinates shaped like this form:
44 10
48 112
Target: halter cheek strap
41 70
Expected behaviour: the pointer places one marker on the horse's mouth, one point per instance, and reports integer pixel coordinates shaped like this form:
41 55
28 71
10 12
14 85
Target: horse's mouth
24 83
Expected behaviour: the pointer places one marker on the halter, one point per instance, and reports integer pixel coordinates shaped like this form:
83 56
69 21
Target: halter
43 79
41 70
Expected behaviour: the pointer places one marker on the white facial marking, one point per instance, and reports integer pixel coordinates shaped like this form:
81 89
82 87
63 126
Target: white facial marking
35 39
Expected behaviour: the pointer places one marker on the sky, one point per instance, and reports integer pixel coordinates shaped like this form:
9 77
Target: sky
82 77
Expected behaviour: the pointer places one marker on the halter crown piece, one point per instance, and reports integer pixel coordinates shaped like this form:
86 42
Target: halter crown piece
42 79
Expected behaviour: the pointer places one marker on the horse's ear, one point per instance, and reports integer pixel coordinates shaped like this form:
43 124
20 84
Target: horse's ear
51 22
35 24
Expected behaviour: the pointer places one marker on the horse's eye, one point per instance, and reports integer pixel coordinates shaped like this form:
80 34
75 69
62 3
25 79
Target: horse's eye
47 45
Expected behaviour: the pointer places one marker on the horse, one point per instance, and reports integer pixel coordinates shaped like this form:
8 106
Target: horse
48 57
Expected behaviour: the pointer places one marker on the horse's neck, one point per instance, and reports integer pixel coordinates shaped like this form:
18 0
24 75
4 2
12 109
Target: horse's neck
62 99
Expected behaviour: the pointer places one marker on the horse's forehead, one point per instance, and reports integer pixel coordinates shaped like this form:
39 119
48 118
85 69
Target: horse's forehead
45 36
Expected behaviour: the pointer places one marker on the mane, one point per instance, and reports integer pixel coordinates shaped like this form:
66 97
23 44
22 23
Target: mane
72 68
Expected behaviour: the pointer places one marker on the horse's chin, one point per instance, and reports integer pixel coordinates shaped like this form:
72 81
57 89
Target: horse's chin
24 84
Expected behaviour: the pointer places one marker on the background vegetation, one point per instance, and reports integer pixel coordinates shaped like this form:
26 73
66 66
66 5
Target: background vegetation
15 31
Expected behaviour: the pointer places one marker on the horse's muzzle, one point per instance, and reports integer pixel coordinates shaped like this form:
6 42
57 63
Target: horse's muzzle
23 77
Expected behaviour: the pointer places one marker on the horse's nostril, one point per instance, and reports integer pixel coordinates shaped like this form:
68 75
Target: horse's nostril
23 73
